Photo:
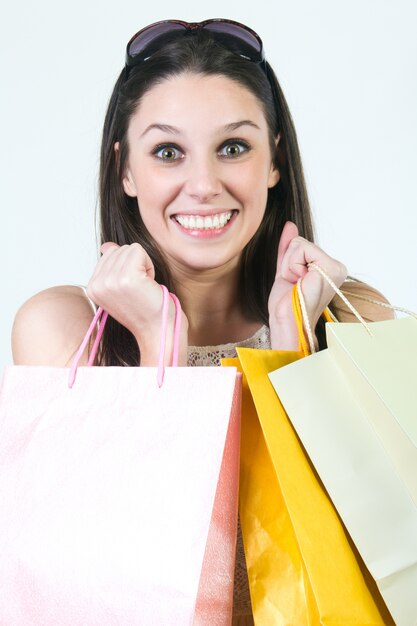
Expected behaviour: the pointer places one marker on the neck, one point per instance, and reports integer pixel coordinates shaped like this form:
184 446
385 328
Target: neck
211 303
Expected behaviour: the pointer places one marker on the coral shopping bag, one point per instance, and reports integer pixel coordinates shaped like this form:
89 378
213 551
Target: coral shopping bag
118 497
354 407
301 565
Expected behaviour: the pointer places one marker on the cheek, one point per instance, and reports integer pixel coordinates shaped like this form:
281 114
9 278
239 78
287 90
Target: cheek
155 191
253 184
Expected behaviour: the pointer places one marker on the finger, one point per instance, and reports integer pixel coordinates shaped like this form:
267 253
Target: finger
110 260
289 232
142 260
304 252
105 272
108 245
126 264
299 253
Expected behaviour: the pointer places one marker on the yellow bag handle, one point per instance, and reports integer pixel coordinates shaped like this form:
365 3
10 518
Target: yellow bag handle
298 316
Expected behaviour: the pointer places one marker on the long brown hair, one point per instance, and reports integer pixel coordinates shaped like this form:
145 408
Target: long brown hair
120 219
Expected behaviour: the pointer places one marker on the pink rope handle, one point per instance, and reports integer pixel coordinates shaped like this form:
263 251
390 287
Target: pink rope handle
177 330
97 340
162 343
101 317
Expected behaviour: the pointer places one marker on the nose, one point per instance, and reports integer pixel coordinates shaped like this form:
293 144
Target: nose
203 180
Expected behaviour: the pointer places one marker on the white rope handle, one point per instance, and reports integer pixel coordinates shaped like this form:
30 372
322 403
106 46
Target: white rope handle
306 321
342 295
380 303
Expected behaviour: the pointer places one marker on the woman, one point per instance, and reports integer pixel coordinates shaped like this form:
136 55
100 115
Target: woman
201 189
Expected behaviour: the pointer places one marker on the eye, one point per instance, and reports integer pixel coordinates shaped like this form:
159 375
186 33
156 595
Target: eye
234 148
167 152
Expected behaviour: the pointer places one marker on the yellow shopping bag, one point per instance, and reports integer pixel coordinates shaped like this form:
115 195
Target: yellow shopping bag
302 567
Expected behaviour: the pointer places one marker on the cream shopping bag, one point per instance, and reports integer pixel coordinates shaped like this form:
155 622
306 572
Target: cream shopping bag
354 407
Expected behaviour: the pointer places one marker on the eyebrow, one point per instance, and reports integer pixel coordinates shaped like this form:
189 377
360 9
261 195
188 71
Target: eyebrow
166 128
236 125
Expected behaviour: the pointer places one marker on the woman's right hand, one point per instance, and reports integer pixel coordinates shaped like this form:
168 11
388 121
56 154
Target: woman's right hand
123 284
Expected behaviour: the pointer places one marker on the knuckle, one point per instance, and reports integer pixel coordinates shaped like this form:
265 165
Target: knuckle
343 272
92 290
296 242
125 282
137 249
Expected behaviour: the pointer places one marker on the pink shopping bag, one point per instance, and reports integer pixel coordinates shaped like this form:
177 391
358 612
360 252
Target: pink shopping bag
118 497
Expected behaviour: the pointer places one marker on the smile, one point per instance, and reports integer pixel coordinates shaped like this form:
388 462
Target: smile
207 222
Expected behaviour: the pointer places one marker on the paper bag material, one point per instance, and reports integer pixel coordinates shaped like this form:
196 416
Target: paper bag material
108 491
352 405
302 568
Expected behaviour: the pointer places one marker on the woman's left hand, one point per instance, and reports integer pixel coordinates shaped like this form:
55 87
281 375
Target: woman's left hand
294 254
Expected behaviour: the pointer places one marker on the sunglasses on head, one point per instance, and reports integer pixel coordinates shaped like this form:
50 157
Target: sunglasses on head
234 36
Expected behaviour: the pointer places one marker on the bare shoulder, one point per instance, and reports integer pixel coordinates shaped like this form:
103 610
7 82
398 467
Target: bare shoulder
360 295
50 326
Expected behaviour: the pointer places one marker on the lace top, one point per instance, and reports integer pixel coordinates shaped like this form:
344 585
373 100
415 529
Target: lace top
211 355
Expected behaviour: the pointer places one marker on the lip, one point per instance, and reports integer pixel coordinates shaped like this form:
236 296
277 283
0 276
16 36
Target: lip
210 212
202 233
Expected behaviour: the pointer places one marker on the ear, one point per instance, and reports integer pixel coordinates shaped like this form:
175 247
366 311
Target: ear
274 174
127 180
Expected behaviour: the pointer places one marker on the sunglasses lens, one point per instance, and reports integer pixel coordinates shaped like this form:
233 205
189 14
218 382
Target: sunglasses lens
233 36
154 36
237 38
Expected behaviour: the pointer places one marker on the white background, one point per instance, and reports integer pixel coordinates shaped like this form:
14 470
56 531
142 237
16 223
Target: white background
348 69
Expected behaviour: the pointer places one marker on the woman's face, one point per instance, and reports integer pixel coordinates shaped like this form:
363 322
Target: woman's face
200 166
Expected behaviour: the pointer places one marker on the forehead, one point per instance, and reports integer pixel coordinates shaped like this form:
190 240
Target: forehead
190 100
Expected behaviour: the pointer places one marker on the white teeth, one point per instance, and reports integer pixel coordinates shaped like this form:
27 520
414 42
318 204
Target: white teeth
198 222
